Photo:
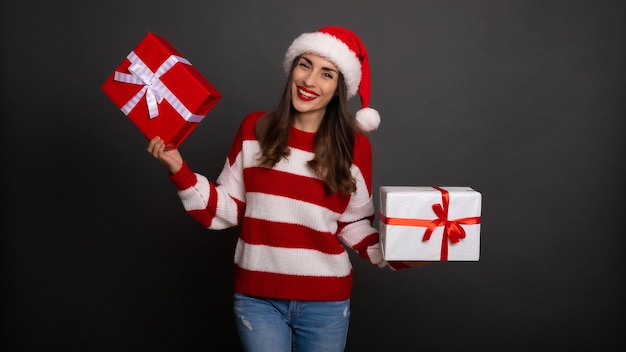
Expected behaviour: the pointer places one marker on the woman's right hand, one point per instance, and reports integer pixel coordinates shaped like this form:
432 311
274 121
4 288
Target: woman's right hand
170 157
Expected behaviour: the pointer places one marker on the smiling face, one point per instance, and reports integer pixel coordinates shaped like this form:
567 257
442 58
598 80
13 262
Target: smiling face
314 85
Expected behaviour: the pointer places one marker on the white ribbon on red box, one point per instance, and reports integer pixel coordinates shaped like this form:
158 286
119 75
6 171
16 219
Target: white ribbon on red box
153 88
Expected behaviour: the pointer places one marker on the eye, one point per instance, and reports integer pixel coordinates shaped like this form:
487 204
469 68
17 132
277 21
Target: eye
304 64
328 75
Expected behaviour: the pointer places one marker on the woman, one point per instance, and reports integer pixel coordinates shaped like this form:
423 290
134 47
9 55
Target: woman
297 181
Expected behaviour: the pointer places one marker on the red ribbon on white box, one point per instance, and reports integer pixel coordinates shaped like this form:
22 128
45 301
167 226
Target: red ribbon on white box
452 230
153 88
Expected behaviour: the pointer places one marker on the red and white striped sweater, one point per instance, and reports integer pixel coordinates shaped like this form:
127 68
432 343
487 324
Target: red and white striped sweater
290 245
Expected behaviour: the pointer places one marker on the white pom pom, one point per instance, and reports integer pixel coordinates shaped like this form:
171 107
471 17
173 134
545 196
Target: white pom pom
368 119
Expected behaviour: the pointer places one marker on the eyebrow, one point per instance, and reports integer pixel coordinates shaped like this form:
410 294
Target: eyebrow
323 68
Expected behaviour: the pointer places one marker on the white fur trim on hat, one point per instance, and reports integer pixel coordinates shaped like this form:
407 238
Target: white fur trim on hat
331 48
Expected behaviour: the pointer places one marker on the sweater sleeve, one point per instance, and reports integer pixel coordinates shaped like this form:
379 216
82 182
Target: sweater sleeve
356 229
220 204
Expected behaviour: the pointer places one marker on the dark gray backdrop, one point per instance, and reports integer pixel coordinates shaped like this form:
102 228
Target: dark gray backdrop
521 100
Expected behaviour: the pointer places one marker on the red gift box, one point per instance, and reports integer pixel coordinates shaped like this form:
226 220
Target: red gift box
160 91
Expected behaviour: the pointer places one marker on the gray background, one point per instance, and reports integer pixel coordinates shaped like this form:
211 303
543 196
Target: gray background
521 100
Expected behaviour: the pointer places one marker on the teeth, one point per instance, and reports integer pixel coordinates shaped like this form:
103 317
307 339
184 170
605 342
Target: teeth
308 95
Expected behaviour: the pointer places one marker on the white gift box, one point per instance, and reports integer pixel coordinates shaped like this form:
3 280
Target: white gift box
430 223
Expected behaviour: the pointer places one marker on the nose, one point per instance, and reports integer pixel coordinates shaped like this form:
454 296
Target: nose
309 79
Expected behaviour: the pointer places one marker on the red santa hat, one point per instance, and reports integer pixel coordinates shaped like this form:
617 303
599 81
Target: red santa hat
344 49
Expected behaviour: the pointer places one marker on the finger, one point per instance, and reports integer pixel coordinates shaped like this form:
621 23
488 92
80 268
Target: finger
157 149
153 142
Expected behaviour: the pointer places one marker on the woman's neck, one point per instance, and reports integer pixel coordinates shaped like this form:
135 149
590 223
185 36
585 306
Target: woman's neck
308 122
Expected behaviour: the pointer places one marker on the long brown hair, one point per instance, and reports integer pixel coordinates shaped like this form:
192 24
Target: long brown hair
334 140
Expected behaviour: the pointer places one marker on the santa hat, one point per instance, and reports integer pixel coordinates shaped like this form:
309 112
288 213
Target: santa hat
344 49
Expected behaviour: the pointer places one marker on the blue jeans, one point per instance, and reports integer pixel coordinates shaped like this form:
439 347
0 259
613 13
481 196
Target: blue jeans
278 325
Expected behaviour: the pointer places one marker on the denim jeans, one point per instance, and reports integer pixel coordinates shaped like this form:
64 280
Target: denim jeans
278 325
